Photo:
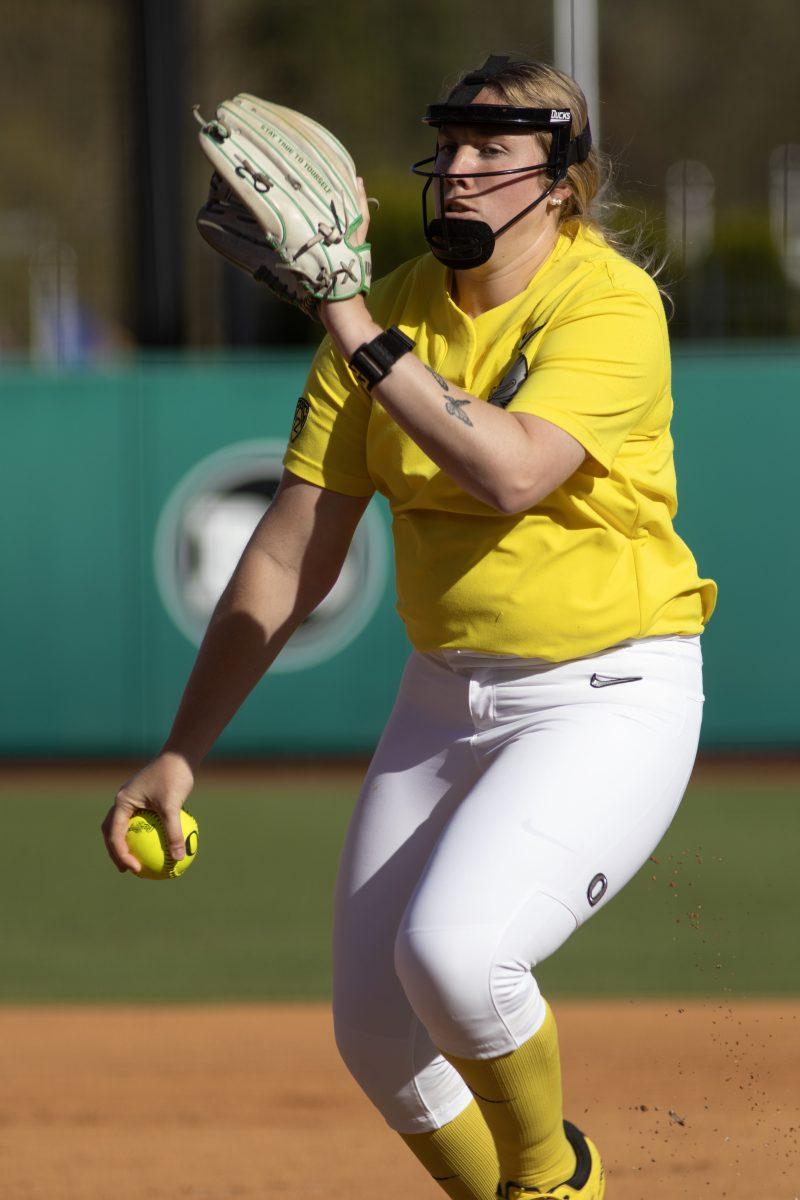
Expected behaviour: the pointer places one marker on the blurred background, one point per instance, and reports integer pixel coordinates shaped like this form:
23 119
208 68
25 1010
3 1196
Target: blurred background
698 107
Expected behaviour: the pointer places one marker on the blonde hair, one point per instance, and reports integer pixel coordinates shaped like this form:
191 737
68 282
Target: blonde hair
591 201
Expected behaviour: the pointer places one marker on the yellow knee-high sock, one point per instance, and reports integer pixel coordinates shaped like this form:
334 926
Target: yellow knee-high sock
460 1156
519 1095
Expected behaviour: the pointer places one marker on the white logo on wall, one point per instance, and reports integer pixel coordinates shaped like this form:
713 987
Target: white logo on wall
206 524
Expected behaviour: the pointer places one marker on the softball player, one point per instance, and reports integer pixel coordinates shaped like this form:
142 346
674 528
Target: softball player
509 394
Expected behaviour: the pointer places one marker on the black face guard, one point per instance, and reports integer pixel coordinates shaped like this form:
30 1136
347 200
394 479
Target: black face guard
462 243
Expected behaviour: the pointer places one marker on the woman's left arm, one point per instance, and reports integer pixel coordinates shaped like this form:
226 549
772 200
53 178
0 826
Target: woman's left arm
509 460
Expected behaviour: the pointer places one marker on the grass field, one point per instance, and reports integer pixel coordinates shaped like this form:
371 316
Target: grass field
714 916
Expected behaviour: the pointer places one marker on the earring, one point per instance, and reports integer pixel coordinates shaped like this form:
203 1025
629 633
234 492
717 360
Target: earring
555 203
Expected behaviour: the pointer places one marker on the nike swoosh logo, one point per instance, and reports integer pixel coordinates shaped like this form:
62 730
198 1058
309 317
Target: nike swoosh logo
598 681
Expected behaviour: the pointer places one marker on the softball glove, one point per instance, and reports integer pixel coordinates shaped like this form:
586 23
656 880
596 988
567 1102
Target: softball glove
283 203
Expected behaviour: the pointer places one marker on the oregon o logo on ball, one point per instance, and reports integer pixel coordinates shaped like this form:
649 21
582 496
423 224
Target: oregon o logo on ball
147 842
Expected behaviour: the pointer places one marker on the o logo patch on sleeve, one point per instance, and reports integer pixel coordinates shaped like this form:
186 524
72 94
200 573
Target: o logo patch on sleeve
300 418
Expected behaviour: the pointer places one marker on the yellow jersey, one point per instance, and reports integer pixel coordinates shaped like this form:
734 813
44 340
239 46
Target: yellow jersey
584 346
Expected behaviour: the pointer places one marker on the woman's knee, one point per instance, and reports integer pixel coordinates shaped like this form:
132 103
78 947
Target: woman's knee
471 986
447 977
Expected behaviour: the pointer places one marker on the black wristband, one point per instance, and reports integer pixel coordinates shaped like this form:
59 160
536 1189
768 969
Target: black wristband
373 360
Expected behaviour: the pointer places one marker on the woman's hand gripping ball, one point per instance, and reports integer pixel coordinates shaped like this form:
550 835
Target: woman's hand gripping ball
147 830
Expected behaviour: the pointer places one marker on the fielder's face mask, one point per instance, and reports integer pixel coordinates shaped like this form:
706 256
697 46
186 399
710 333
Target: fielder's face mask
462 243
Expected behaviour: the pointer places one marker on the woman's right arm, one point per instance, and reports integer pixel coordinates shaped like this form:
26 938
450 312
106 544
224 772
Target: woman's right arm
289 565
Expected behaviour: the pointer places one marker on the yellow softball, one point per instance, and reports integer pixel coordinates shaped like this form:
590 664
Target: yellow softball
147 842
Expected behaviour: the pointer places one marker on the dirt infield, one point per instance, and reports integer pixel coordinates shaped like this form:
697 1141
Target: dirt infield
695 1100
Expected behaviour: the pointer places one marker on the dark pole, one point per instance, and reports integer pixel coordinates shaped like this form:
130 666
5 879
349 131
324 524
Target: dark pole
159 121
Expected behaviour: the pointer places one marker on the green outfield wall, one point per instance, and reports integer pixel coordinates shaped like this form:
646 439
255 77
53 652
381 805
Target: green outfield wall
128 493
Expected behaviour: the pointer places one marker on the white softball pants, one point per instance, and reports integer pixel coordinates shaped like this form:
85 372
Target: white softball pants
508 800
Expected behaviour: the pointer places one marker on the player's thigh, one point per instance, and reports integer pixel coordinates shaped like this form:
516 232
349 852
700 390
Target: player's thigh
421 770
571 806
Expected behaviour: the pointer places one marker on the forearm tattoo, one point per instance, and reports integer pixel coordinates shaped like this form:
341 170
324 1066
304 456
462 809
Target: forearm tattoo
456 409
443 384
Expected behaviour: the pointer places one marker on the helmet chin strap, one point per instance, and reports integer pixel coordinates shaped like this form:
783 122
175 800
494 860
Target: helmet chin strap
462 244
